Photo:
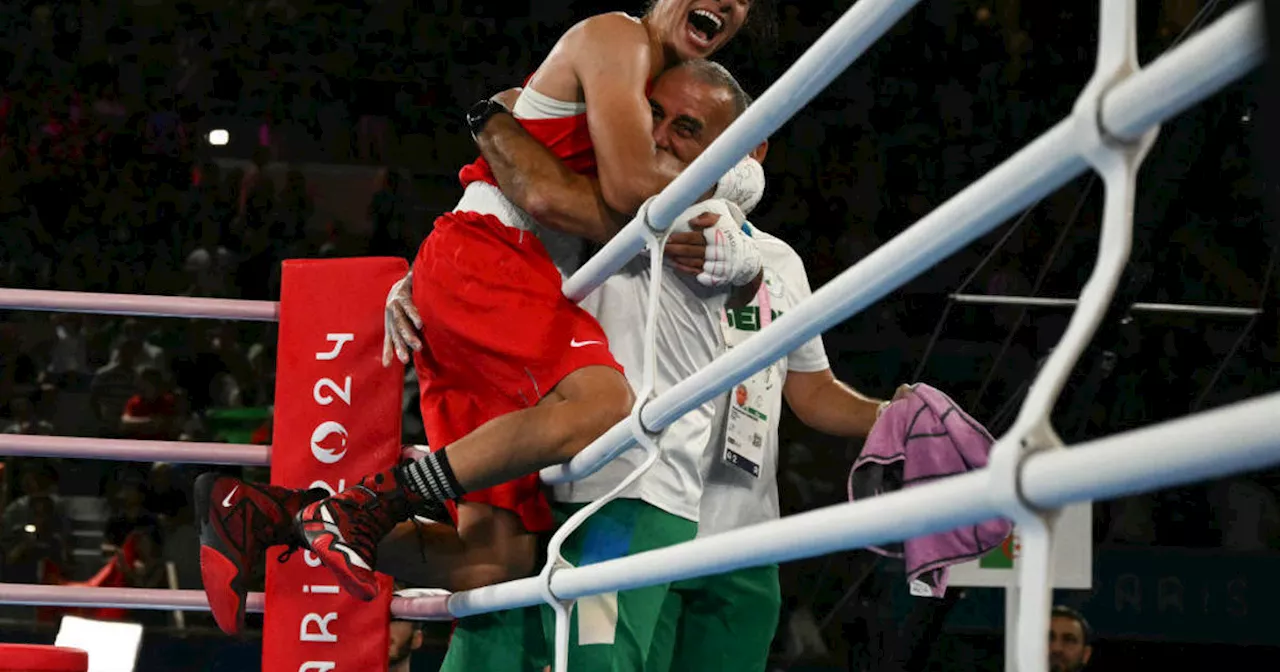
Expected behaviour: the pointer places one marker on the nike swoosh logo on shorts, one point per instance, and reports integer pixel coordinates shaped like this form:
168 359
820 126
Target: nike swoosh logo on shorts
226 503
575 343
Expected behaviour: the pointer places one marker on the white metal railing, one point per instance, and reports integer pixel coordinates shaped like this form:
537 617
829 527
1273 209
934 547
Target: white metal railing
1140 307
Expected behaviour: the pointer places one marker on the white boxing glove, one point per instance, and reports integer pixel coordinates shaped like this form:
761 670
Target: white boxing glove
732 259
743 185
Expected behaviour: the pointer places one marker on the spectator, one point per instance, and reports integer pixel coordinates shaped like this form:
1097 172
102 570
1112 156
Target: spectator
259 388
147 569
164 134
294 209
128 512
192 422
37 541
182 546
4 485
228 198
164 495
196 364
150 355
38 483
256 189
405 638
388 216
113 386
69 358
1070 640
236 375
24 419
152 413
211 267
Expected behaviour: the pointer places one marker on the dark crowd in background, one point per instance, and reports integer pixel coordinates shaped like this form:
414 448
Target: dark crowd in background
345 127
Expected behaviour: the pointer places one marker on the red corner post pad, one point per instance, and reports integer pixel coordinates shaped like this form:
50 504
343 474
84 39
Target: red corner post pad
337 418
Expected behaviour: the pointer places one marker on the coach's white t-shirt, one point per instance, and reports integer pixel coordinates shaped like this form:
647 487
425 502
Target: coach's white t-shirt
732 497
689 337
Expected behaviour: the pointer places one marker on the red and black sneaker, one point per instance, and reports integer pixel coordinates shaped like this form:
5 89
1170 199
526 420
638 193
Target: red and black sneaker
238 522
344 530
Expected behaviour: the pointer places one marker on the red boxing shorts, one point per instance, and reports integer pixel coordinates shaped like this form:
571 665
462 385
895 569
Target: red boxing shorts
498 336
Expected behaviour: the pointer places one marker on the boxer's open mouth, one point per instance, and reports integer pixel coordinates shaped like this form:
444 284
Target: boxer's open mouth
704 26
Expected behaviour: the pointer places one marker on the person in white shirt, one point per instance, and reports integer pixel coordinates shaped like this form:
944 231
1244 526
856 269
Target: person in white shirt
727 621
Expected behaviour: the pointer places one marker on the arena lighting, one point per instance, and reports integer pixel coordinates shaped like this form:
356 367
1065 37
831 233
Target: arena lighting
219 137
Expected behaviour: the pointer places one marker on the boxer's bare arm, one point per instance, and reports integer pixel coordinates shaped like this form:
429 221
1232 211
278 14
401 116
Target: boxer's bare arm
613 59
534 179
488 546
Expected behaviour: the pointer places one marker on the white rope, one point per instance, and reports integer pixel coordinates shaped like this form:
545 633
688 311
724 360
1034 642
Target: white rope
1043 166
139 304
859 28
134 450
1161 456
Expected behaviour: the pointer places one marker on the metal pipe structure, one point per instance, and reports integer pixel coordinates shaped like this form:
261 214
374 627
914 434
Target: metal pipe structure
1140 307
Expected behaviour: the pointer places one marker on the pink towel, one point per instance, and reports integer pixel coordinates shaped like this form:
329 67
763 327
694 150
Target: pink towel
922 437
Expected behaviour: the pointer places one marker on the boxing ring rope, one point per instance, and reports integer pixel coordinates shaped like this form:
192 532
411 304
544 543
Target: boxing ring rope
133 450
128 450
1229 48
138 304
1162 456
1140 307
864 23
162 600
1026 484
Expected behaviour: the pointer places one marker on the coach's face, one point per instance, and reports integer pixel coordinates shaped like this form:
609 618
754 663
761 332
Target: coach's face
688 113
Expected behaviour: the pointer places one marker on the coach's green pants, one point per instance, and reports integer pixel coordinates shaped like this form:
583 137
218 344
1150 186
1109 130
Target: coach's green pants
608 633
722 623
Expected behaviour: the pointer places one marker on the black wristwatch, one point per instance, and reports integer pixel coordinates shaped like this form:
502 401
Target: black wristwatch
481 113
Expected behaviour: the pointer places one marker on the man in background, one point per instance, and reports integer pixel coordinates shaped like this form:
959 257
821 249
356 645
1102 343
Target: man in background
405 637
1070 640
